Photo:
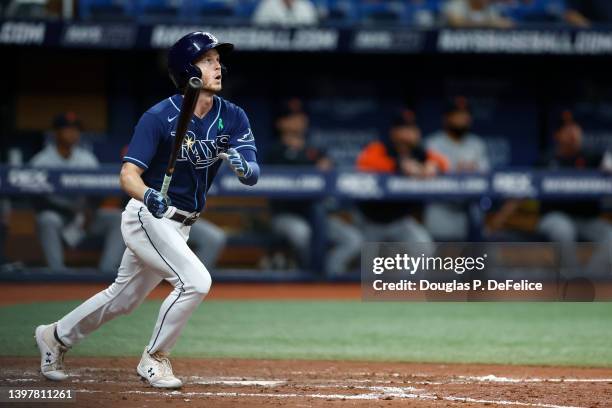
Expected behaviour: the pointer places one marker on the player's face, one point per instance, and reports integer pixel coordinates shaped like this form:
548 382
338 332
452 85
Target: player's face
210 65
295 124
67 136
478 4
459 122
406 135
570 138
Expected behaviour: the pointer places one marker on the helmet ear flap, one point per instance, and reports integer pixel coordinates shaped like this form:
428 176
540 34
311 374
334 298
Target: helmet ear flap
193 71
190 72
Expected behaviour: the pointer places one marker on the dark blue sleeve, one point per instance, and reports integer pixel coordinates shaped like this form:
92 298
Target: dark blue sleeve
251 157
241 136
143 145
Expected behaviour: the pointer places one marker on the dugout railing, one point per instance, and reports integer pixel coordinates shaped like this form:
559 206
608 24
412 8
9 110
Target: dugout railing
245 210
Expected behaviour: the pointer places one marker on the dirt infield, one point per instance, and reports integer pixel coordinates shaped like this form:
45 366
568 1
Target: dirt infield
42 292
298 383
264 383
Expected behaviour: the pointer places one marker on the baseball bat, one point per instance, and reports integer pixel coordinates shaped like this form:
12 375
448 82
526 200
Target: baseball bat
187 107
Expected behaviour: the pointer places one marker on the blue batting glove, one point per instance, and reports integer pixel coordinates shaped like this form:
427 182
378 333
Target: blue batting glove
238 164
156 203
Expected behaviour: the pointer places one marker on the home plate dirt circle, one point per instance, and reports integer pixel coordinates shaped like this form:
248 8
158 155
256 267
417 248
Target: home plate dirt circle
264 383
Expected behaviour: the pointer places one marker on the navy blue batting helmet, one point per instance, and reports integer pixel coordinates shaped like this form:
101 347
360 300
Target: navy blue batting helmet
186 50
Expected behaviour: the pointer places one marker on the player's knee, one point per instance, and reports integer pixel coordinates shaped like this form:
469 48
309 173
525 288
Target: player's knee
300 236
201 289
201 285
49 219
562 232
355 240
220 238
558 227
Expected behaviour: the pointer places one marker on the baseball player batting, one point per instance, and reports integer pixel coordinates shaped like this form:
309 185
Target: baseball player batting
155 226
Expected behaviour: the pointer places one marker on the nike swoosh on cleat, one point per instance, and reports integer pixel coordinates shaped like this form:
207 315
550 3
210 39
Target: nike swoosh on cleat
170 119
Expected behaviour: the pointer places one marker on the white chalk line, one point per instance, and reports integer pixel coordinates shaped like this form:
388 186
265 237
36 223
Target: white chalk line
242 381
495 379
246 383
381 392
387 393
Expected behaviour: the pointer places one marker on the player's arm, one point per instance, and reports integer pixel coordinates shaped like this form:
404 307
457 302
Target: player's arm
242 154
142 148
131 181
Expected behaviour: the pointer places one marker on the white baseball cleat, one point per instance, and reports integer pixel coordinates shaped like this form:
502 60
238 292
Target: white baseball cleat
51 353
157 370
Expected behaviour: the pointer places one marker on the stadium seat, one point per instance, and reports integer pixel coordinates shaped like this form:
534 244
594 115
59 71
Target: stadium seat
337 12
244 9
26 9
106 10
535 11
157 10
420 13
200 11
380 12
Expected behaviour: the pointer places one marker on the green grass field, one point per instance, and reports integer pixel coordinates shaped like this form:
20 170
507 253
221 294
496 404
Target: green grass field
578 334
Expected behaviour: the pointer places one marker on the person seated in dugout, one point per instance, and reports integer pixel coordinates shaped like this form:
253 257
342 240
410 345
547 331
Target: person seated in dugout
474 13
68 220
586 13
401 153
286 13
466 153
566 222
291 218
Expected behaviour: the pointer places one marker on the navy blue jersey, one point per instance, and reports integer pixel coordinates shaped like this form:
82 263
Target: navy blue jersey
224 126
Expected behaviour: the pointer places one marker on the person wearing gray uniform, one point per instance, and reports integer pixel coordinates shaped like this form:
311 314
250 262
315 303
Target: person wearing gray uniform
64 219
566 222
207 241
466 153
290 217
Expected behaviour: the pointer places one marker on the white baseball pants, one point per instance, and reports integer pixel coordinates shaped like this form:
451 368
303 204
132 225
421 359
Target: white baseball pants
156 250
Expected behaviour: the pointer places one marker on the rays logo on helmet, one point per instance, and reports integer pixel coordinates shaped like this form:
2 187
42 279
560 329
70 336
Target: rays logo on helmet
247 137
209 35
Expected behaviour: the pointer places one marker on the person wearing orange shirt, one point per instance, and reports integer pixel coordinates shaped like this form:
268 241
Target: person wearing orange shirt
401 153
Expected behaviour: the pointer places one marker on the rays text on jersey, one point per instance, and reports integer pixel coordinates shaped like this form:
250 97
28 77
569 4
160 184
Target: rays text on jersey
200 153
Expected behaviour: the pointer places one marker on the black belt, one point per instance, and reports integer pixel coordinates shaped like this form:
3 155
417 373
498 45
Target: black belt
185 220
